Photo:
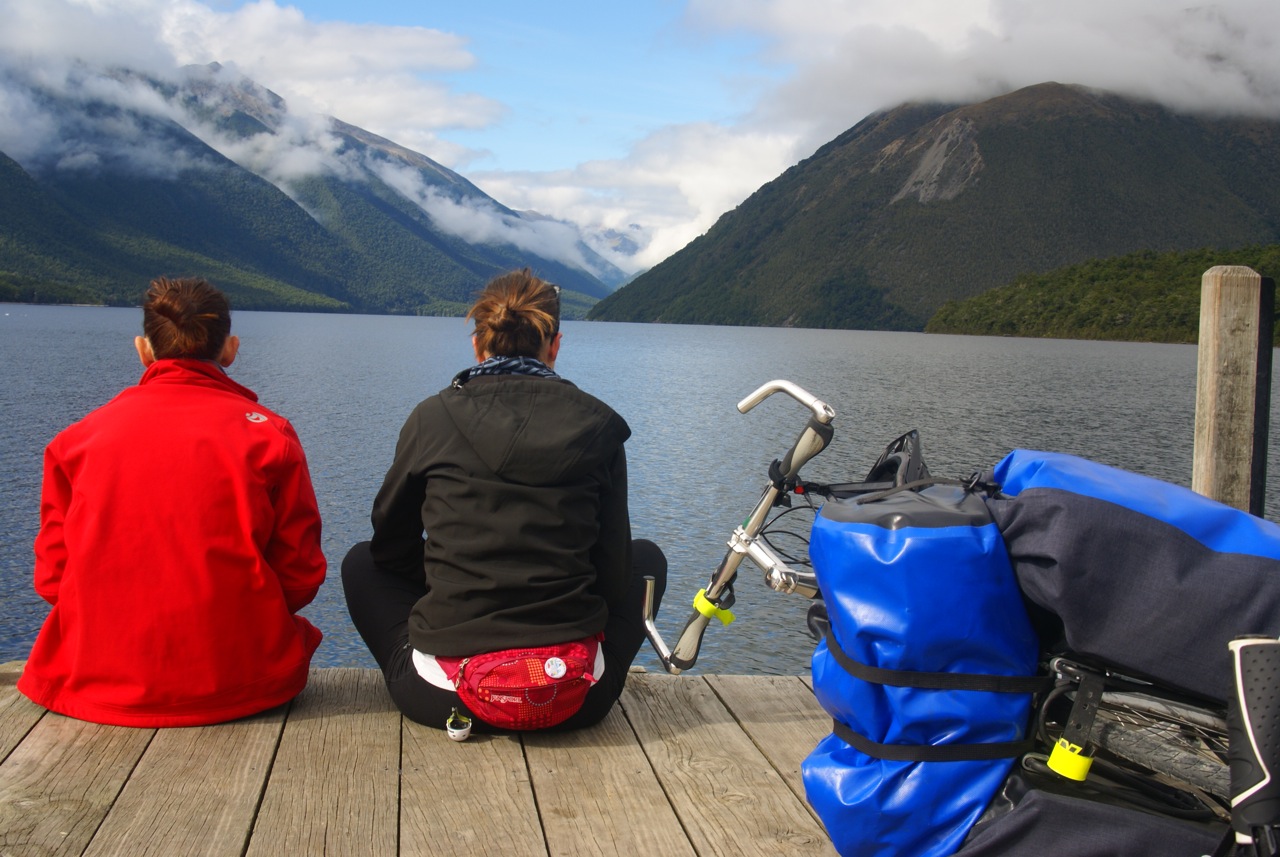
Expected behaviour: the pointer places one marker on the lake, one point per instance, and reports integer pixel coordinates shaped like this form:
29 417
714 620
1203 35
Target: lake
696 465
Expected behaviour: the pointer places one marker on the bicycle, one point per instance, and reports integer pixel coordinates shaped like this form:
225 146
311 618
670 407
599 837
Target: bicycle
1116 737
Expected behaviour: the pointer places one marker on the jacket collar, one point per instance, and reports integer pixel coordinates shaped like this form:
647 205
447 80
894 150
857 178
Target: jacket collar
188 371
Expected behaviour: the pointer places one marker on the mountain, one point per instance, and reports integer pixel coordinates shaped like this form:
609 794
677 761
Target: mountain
210 174
927 203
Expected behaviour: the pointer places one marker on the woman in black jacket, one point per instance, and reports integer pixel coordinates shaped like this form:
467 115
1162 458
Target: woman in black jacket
502 522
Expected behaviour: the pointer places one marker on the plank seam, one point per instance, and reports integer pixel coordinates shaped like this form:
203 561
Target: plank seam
657 776
266 780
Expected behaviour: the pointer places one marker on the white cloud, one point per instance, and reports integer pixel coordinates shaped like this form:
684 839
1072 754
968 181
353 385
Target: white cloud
854 58
479 222
41 136
25 125
301 146
831 62
367 74
674 185
53 34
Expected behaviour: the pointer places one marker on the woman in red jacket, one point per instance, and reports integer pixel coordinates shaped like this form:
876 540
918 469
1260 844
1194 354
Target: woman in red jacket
179 536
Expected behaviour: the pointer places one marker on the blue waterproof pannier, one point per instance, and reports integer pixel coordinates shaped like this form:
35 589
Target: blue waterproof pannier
927 669
930 588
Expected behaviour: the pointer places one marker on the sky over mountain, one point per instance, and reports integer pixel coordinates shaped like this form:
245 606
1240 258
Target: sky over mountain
649 119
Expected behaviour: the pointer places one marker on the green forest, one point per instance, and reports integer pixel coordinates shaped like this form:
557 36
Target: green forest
1139 297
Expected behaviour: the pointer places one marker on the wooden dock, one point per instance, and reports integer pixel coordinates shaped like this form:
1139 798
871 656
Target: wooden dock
689 765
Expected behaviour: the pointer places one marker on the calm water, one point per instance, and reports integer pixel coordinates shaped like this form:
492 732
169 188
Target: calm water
696 464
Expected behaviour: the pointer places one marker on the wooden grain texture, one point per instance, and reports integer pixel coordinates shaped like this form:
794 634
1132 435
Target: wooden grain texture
598 795
60 782
18 715
195 791
730 800
1233 387
334 787
782 718
471 797
684 766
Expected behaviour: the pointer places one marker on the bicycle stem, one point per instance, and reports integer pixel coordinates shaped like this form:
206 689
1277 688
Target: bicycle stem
812 440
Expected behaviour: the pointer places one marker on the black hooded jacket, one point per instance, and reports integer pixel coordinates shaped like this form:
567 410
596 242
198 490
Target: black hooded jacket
520 484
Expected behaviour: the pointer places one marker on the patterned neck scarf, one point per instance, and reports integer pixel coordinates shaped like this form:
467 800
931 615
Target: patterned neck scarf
505 366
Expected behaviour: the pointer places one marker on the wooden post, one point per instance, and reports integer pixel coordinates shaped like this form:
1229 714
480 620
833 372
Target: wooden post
1233 387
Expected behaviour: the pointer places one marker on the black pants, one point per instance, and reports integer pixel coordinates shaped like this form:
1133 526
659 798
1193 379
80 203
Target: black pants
379 603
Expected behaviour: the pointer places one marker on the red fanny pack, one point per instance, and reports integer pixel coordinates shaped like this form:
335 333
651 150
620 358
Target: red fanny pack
531 687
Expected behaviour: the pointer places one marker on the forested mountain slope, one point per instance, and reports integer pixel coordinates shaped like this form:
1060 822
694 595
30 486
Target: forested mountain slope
1140 297
924 204
211 175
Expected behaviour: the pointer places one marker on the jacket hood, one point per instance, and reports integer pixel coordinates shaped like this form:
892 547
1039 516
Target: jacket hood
535 431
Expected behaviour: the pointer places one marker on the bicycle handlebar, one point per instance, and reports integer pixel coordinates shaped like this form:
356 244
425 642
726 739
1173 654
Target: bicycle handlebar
1254 745
822 412
714 601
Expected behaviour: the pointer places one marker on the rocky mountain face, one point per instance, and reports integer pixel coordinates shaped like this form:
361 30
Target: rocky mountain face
212 175
927 203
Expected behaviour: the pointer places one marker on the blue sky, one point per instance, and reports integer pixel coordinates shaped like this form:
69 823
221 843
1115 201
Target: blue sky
653 117
578 81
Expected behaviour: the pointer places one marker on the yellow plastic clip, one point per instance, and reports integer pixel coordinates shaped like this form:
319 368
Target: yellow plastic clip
1069 760
704 606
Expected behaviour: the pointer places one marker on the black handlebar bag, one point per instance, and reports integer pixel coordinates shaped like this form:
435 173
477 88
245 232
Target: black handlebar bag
1136 573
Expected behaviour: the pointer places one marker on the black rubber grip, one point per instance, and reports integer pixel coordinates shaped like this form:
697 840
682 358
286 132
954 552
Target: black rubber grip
1253 724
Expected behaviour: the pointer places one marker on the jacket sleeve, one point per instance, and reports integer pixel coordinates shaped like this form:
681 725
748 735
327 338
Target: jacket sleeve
397 542
51 545
611 555
294 549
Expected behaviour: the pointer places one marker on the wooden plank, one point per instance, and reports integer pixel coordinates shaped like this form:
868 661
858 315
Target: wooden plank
18 715
194 792
471 797
729 798
598 795
781 715
334 786
60 782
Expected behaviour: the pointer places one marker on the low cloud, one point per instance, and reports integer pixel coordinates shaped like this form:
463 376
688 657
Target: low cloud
851 59
371 75
301 146
70 118
478 221
826 65
673 187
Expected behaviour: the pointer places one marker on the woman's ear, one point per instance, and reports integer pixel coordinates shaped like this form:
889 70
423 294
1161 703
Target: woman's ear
145 354
553 350
230 349
480 355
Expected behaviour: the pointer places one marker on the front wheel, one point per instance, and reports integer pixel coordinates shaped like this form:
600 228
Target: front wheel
1183 754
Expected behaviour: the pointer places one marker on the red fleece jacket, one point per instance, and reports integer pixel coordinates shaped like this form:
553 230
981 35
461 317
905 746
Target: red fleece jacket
179 536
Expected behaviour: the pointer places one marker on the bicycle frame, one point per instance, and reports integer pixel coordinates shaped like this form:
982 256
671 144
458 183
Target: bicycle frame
716 599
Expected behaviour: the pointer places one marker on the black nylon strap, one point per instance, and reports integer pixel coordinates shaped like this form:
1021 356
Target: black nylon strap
937 681
929 752
908 486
